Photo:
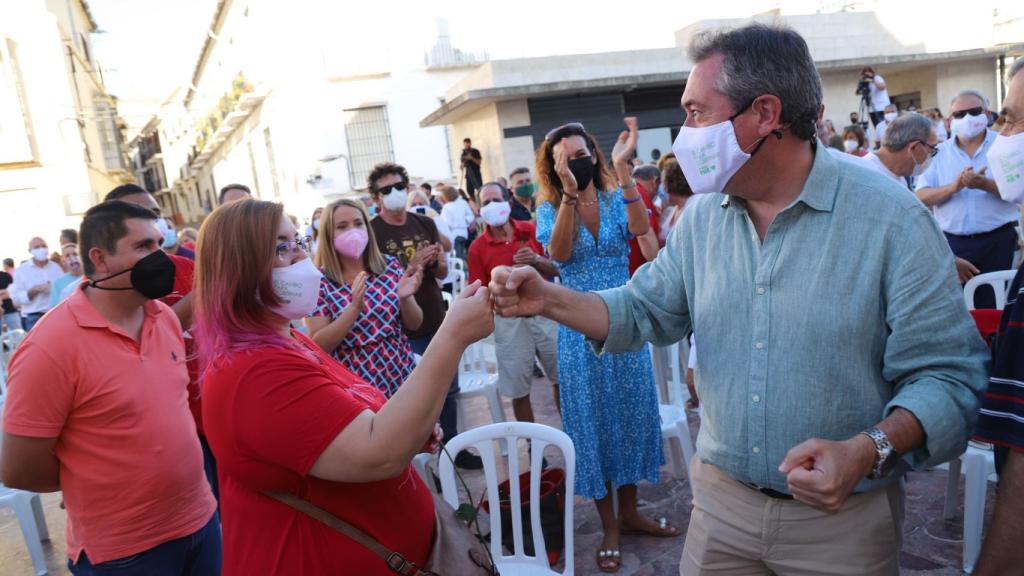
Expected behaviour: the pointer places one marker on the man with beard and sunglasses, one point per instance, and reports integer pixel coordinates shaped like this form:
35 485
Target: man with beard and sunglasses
980 226
97 409
413 239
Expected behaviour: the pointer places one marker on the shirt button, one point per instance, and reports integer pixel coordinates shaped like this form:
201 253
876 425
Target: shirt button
761 290
755 450
759 345
756 398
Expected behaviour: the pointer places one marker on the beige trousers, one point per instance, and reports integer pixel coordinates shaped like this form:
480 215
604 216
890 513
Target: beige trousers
737 531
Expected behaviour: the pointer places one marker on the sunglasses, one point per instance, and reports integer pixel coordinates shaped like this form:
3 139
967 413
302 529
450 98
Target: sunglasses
976 111
385 190
932 150
570 125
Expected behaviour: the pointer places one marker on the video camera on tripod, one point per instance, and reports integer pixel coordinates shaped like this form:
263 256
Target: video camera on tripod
864 86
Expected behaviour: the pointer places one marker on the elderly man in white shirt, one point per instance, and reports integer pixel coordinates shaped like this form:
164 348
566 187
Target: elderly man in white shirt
907 151
980 226
33 281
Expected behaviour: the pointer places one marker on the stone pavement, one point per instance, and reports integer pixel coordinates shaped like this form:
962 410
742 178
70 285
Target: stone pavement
932 545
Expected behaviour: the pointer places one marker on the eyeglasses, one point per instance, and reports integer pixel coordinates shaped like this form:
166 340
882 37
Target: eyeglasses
976 111
385 190
932 150
306 243
570 125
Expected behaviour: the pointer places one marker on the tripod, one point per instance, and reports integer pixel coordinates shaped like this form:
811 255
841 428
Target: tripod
863 113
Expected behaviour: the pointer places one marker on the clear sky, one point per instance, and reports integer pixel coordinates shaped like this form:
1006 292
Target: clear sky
149 47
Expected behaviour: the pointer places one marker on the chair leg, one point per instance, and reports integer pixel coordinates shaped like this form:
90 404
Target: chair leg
462 423
674 445
494 403
952 489
40 516
975 488
687 444
29 530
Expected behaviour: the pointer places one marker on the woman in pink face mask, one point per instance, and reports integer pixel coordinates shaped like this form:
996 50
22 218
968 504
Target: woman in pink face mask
366 299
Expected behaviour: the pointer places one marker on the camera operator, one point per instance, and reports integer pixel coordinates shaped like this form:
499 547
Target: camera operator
877 94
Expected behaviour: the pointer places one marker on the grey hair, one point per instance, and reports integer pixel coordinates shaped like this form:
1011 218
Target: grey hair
975 93
417 195
647 172
906 129
1018 65
505 195
761 59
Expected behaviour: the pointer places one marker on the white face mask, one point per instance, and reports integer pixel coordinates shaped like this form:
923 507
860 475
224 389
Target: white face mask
850 145
969 126
1006 164
890 116
922 167
496 213
940 130
298 287
709 156
395 200
40 254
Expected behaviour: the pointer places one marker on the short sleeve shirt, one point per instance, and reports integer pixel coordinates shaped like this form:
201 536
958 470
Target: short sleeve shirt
402 242
486 253
270 413
131 469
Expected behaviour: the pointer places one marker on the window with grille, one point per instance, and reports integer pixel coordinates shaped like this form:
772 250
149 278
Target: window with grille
368 135
110 136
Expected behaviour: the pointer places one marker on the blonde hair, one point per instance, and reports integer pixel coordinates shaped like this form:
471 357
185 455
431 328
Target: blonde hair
327 258
417 195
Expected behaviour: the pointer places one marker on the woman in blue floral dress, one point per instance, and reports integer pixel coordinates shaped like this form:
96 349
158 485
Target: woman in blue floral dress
365 300
609 403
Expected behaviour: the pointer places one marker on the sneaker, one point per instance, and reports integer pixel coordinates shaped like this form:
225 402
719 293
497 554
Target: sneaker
468 461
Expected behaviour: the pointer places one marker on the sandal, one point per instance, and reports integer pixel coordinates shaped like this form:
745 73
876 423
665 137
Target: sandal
664 530
606 557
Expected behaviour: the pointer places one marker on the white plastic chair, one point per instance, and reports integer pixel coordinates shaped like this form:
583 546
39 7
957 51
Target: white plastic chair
675 429
458 281
475 380
999 281
10 341
509 433
28 509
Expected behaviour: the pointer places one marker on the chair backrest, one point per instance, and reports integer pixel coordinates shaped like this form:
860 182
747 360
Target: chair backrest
540 436
999 281
448 298
458 281
678 394
9 342
474 360
456 263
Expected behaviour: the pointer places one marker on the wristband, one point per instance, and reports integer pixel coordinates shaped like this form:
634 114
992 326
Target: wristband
630 184
630 200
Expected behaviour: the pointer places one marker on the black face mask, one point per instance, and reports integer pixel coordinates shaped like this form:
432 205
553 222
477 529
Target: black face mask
152 276
583 171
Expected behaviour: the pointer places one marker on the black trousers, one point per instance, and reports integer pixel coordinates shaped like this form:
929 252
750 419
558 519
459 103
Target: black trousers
989 252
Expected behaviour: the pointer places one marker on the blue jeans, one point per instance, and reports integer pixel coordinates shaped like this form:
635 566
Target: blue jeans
12 321
29 320
449 419
198 554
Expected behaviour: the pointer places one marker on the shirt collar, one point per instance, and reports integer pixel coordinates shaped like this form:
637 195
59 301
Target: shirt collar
821 187
87 316
516 228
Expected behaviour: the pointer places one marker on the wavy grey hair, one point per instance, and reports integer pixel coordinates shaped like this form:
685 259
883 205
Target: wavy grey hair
975 93
761 59
906 129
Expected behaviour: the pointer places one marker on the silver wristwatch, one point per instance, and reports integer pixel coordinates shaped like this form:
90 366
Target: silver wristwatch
886 456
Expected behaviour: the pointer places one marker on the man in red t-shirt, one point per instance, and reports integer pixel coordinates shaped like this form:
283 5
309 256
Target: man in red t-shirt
645 248
180 300
507 242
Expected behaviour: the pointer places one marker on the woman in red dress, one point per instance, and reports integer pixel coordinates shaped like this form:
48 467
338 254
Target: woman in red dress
282 416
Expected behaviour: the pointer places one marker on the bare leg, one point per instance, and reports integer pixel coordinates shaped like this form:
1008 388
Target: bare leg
522 409
610 526
632 521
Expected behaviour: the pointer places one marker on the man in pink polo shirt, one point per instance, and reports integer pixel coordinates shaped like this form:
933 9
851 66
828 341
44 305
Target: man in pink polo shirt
97 408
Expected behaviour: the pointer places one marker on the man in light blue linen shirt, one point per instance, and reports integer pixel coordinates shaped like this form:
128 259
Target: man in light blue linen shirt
979 225
836 349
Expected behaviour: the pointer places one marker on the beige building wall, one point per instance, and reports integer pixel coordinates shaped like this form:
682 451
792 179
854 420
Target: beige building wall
46 181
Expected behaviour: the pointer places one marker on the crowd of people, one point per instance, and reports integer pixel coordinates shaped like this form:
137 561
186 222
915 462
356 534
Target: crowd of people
172 382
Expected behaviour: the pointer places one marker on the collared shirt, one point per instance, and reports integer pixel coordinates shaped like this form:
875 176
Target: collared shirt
969 211
1002 410
486 252
849 308
29 275
131 469
520 212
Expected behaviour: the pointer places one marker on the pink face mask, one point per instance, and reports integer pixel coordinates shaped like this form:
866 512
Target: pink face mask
352 242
